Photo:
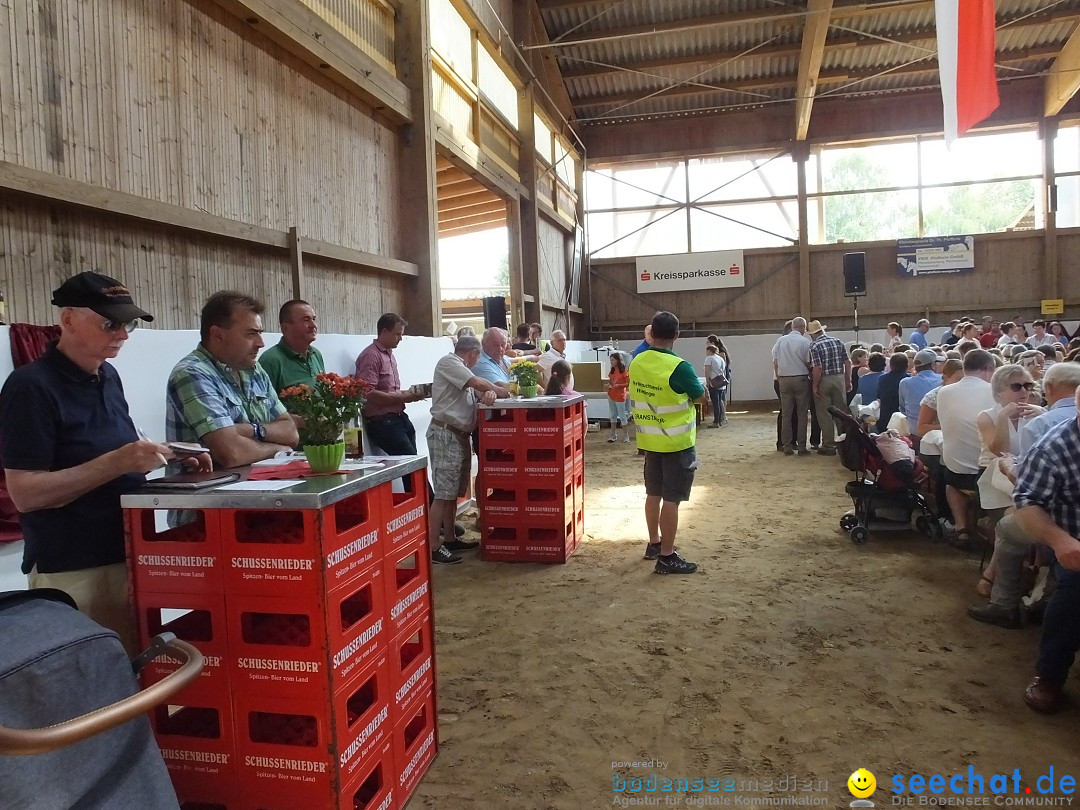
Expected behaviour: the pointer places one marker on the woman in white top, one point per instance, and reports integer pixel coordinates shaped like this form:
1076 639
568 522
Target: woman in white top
895 340
999 429
716 383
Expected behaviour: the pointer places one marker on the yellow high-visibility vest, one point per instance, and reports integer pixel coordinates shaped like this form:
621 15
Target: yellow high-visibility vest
666 422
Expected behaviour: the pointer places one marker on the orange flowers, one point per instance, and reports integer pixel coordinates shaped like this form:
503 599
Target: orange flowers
326 407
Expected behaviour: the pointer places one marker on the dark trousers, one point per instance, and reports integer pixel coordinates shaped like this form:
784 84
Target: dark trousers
815 426
716 396
1061 630
395 435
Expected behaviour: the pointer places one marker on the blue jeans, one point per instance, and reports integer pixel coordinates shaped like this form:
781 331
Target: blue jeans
1061 629
717 395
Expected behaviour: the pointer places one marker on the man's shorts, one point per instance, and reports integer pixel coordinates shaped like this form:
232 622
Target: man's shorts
670 475
968 481
451 460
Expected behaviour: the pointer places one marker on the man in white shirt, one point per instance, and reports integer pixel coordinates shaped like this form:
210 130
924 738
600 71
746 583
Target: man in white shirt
556 352
791 365
958 409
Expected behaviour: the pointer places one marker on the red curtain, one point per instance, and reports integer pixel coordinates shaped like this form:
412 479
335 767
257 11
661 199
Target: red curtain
28 343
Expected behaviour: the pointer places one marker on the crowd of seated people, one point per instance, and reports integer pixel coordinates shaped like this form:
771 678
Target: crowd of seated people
992 413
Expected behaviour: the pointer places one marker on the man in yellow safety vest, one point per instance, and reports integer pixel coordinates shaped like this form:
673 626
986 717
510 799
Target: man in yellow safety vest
663 388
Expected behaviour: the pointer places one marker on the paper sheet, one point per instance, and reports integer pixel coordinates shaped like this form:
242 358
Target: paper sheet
260 486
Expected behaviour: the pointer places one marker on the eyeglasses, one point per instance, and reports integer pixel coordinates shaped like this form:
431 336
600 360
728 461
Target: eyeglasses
112 325
1018 387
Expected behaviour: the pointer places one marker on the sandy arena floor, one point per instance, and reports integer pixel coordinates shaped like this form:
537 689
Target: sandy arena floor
790 652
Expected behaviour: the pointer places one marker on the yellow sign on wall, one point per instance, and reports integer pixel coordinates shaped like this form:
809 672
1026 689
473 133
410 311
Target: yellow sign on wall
1053 306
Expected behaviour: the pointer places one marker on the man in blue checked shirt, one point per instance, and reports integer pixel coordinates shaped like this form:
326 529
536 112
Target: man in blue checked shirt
1047 499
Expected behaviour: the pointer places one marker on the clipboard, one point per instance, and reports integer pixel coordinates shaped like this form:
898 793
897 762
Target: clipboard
195 480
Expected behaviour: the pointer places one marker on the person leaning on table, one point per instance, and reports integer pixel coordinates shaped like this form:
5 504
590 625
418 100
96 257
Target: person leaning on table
219 396
70 450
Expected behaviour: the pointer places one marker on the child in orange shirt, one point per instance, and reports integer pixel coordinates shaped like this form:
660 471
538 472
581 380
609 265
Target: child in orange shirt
618 406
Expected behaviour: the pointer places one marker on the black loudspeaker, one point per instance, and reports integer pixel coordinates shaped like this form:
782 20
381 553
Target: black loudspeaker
495 312
854 274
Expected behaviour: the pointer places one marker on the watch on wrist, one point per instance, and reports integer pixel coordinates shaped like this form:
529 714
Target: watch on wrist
260 431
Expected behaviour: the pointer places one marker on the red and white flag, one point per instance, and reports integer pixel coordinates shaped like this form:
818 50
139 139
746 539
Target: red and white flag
965 39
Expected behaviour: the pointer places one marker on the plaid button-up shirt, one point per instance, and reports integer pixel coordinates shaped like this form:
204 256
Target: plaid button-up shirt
203 396
1049 476
829 354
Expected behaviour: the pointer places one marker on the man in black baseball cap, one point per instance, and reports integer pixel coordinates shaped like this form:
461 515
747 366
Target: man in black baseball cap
70 450
106 296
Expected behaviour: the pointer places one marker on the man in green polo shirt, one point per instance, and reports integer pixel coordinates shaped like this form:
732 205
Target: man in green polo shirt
293 360
663 388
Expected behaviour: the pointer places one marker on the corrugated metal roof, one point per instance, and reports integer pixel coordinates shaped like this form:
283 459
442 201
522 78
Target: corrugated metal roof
651 57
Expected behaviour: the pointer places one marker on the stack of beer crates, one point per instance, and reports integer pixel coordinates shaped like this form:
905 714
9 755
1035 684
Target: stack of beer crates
532 462
317 628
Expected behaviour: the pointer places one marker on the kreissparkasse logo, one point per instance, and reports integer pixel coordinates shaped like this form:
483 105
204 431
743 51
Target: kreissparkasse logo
646 276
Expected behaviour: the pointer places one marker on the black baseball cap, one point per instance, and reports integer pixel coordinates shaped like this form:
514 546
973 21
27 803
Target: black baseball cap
105 296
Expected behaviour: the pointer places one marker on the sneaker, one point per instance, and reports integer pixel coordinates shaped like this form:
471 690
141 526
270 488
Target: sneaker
674 565
612 439
460 545
779 447
788 451
804 452
626 439
652 551
442 556
826 451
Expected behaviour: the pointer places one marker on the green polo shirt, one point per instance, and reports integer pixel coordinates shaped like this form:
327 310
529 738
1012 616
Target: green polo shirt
286 368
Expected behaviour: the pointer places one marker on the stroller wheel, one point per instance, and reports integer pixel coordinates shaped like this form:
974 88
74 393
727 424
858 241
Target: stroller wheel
848 522
923 526
859 535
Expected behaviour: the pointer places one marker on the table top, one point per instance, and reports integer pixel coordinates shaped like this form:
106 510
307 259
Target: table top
556 401
313 493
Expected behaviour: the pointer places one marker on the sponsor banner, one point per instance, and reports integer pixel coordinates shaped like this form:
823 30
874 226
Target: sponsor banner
690 271
935 256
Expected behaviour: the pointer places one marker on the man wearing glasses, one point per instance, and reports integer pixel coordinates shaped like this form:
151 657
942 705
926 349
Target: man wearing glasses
70 450
219 396
551 356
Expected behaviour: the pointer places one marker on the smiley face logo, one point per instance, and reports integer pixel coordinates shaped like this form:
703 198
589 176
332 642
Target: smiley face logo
862 784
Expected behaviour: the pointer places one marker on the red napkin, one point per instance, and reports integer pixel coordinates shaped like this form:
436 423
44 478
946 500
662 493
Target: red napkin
294 469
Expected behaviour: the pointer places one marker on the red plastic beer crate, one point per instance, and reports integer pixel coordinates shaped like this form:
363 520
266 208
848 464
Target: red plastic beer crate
286 758
352 536
198 745
357 624
197 618
415 745
529 501
533 540
408 583
277 647
517 464
187 558
412 665
373 788
363 717
271 552
404 513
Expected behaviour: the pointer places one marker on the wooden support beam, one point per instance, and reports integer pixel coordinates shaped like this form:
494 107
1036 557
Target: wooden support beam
813 48
530 29
528 224
302 32
802 154
52 187
491 218
417 214
296 259
454 202
494 207
513 232
1051 268
1063 80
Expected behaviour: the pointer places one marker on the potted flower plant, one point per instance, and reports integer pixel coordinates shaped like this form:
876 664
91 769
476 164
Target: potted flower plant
527 375
325 409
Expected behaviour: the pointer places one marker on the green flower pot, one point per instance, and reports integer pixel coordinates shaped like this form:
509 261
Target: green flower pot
325 458
528 391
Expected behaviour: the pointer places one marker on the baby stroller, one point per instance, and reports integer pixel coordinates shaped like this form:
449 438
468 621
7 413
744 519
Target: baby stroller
883 500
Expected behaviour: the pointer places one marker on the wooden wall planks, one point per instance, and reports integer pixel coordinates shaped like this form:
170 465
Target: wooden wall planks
181 102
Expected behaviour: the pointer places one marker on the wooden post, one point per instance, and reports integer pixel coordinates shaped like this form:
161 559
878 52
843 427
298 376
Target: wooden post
296 261
513 233
528 213
1050 271
801 154
419 215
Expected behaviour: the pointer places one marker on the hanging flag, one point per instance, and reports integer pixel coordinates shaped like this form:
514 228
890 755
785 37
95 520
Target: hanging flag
965 38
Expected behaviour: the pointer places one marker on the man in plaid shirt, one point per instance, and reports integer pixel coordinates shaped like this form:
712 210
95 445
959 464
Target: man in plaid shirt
830 378
1047 499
